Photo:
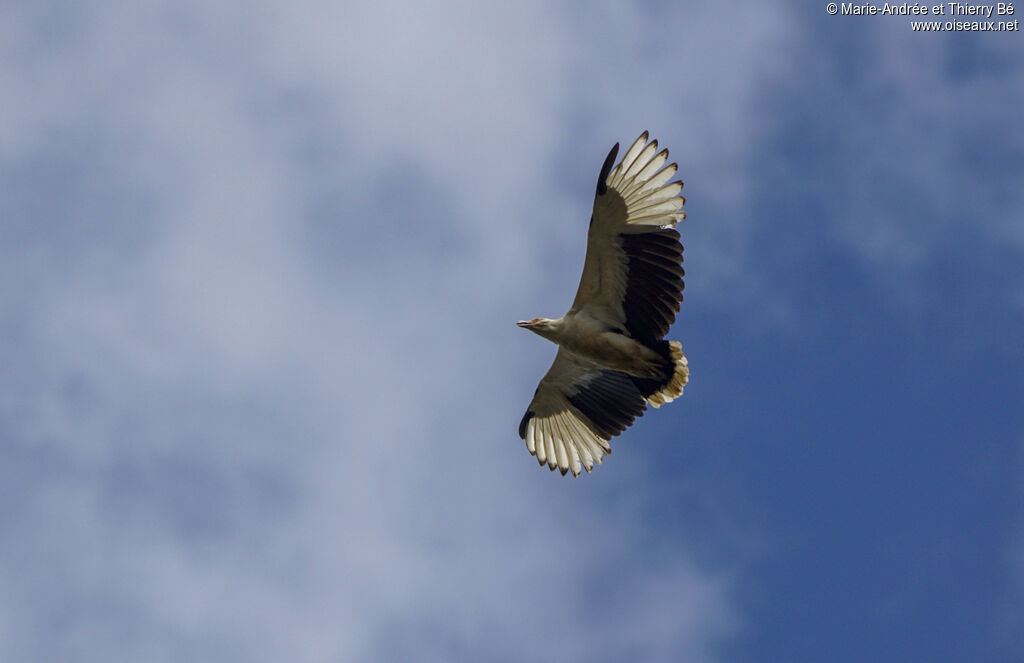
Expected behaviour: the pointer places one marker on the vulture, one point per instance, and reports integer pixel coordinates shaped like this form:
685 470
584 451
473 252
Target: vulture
613 360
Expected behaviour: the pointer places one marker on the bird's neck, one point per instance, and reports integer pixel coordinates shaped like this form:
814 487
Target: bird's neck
553 330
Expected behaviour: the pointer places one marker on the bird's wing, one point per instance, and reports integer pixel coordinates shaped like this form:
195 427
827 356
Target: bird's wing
633 274
577 408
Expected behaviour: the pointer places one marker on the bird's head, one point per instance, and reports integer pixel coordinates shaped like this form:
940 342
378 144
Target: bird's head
541 326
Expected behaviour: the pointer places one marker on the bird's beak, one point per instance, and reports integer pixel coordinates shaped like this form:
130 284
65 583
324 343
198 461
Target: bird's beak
525 324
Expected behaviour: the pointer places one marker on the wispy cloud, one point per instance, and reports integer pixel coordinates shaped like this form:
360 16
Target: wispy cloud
260 272
908 147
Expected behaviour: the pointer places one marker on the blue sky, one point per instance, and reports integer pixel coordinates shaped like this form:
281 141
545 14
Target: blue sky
261 265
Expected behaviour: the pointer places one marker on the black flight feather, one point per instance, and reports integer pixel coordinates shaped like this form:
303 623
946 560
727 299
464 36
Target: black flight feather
602 185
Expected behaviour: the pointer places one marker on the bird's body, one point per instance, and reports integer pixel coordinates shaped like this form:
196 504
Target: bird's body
592 339
613 360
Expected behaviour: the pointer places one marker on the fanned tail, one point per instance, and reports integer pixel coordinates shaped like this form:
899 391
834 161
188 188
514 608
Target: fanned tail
677 374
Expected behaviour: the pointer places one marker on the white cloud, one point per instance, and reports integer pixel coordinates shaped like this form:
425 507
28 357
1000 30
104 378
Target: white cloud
232 442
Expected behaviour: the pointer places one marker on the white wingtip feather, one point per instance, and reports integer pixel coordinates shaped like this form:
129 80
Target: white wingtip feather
643 182
641 161
628 158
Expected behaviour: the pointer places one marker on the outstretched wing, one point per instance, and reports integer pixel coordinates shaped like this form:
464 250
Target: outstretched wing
633 275
577 408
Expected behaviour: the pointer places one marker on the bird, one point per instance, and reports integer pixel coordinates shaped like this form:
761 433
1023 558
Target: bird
613 360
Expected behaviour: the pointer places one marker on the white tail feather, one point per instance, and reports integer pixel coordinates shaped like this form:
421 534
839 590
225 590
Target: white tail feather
681 375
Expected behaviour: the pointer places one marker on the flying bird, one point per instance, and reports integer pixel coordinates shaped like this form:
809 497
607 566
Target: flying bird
612 358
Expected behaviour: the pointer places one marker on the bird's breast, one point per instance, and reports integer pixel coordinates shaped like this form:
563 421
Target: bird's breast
604 345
